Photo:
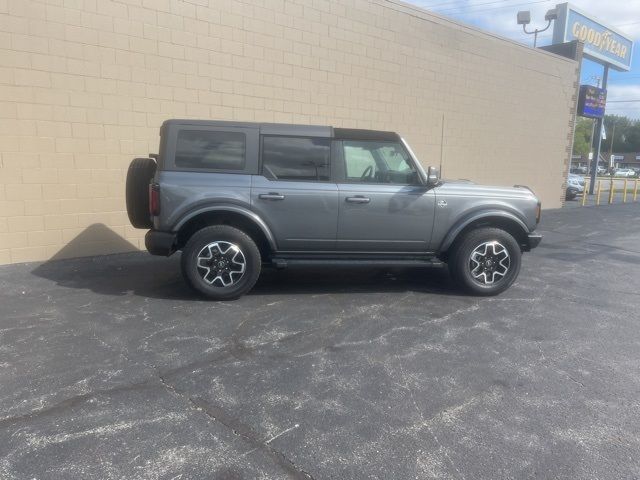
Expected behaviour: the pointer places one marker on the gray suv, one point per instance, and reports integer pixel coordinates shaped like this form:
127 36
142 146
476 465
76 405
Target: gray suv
235 196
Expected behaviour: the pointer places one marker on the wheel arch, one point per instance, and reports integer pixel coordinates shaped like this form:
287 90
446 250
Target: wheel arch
231 215
491 218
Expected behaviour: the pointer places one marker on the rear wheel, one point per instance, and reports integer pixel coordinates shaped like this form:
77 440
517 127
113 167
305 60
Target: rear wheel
221 262
485 261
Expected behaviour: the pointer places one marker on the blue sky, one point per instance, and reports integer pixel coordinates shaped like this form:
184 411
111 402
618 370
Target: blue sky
499 16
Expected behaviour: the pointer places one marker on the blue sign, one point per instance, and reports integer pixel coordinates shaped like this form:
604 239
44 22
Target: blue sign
602 43
592 101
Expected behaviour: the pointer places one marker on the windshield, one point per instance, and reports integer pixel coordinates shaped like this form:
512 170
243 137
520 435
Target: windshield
419 166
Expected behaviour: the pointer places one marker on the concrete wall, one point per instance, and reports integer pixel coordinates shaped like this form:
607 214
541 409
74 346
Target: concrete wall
85 84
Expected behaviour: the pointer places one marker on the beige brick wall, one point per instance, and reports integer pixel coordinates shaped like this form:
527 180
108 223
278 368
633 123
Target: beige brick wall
85 85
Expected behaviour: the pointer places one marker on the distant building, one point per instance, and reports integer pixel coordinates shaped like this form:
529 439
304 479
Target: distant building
620 160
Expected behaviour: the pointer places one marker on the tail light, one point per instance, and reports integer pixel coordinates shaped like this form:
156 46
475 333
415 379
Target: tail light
538 212
154 199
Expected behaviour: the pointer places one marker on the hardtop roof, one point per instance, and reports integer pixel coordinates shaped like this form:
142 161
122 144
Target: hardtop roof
291 129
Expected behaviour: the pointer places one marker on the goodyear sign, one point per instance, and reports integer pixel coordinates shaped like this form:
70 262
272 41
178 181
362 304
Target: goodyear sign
602 43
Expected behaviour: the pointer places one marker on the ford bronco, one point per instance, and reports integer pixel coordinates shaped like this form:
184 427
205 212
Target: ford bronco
234 196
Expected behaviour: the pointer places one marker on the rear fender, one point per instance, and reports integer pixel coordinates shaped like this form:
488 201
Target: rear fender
248 214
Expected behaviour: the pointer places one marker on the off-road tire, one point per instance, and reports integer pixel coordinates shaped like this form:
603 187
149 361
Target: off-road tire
139 175
224 235
461 265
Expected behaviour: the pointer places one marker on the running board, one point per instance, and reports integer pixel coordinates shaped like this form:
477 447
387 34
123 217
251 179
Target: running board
283 262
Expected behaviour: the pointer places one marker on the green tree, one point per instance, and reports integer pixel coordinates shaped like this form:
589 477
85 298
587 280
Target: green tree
627 134
582 136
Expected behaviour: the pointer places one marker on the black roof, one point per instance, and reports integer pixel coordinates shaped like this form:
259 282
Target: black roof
295 129
357 134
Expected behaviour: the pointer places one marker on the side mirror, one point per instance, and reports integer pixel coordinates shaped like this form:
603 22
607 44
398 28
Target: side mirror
433 176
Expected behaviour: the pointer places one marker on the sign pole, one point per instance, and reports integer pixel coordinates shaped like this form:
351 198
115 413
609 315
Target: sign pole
598 137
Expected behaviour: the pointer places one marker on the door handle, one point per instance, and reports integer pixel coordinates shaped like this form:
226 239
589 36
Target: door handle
271 196
358 199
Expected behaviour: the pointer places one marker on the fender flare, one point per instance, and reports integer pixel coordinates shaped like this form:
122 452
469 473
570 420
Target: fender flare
466 221
248 214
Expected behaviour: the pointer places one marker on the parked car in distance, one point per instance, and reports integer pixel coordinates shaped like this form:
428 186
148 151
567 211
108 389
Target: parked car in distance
575 186
235 197
579 179
625 172
578 170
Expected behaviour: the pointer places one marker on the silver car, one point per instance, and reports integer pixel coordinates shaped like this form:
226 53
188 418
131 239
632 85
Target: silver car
625 172
575 186
235 196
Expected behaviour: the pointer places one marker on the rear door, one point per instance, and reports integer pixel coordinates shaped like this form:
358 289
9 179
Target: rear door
294 193
383 204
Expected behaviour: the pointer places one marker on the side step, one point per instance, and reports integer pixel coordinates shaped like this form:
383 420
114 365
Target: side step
283 262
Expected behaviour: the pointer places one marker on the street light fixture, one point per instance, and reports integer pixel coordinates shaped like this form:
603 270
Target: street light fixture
524 19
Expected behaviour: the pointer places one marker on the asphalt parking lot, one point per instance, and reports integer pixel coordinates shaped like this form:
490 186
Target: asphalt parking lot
111 368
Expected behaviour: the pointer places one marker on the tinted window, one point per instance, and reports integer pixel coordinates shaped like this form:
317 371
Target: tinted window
213 150
295 158
378 162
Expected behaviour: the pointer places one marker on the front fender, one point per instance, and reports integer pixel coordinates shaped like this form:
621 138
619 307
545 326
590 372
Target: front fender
252 216
461 224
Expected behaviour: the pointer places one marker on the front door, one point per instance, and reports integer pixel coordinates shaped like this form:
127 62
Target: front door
383 205
294 193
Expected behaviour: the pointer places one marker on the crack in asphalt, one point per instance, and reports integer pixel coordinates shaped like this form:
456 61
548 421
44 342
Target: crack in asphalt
428 426
240 351
239 429
237 350
212 412
73 401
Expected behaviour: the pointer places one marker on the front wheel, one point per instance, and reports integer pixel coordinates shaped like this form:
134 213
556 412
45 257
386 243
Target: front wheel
221 262
485 261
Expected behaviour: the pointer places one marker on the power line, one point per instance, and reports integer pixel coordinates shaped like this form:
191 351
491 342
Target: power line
626 24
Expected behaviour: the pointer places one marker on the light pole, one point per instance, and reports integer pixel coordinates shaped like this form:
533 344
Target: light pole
524 19
598 140
593 129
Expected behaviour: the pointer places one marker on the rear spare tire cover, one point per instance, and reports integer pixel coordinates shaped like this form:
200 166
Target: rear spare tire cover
139 175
